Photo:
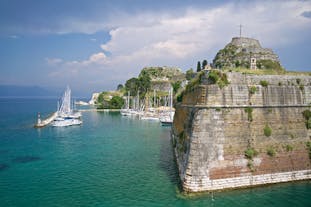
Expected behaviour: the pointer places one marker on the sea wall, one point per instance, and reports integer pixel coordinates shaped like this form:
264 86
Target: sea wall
213 128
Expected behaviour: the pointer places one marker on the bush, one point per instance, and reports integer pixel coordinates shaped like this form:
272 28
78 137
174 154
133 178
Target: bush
252 90
249 111
116 102
307 115
271 152
250 153
218 77
301 87
267 131
264 83
289 148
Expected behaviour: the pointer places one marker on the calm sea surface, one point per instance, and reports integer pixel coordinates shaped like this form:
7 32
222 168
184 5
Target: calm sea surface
108 161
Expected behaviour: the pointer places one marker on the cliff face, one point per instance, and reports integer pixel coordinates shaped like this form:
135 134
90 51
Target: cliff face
243 134
239 51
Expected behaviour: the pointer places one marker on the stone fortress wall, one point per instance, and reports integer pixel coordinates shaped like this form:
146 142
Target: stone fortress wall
214 127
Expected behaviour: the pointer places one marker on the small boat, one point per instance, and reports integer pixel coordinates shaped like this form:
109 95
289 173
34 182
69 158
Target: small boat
168 117
62 122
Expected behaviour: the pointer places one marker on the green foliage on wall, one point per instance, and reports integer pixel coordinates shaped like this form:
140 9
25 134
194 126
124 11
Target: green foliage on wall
267 131
264 83
249 111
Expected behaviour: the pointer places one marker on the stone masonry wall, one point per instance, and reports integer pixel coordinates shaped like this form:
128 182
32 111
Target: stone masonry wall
212 129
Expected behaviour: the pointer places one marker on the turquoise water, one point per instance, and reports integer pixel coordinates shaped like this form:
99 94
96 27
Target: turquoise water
108 161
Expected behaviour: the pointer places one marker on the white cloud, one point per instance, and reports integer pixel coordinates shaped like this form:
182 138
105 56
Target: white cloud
158 38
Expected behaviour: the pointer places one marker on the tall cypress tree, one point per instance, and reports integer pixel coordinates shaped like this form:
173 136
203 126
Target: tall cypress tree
199 66
204 63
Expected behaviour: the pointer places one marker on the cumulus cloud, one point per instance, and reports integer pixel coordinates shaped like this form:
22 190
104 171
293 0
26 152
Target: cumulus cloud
158 38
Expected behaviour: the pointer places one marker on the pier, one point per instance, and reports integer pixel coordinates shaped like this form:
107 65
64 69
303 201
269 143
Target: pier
44 122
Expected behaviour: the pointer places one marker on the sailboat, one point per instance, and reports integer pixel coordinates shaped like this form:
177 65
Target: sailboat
66 116
168 117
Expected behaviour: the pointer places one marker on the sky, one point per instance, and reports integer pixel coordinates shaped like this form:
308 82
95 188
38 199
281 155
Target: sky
94 45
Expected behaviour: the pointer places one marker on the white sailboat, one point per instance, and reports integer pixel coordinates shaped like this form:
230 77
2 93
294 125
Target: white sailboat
66 116
168 117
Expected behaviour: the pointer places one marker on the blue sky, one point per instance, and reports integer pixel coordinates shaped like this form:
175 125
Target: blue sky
95 45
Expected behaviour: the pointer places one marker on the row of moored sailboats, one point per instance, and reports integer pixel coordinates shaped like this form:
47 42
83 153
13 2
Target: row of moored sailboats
164 114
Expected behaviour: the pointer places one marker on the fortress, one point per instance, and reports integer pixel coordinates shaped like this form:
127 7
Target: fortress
239 51
253 131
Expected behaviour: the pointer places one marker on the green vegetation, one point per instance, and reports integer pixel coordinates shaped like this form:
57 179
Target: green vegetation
264 83
195 81
104 101
216 76
204 64
190 74
269 65
250 153
218 109
252 90
116 102
176 86
301 87
271 151
289 148
198 66
249 111
307 115
141 84
267 131
298 81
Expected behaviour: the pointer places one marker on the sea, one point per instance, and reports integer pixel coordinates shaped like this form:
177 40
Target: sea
109 160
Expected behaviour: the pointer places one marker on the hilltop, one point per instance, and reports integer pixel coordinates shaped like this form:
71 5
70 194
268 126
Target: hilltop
241 51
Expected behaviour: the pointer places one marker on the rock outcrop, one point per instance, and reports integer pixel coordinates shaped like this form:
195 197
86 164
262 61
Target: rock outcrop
162 77
239 51
247 133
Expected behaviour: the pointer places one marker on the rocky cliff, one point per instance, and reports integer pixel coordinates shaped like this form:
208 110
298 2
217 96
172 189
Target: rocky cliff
250 132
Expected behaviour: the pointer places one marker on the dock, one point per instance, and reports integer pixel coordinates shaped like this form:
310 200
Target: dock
44 122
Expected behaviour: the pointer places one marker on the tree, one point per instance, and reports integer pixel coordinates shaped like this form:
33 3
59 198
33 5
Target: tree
176 86
132 86
120 87
204 64
199 66
144 84
116 102
189 74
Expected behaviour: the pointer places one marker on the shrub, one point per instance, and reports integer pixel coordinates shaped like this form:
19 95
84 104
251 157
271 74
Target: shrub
307 115
298 81
301 87
267 131
249 111
289 148
252 90
264 83
216 76
250 153
271 152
